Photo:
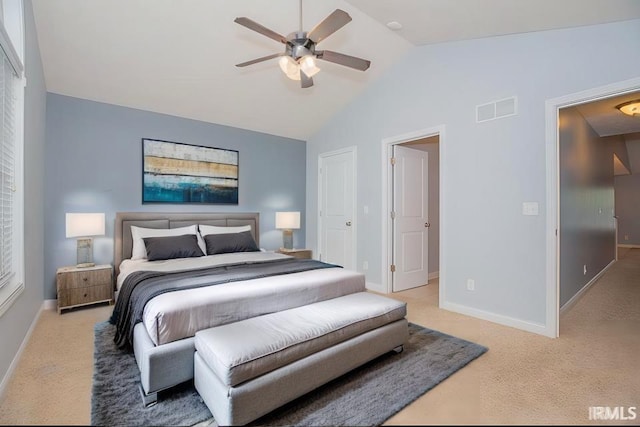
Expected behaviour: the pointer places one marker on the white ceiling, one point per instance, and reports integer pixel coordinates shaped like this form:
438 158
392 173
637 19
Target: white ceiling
177 56
606 119
437 21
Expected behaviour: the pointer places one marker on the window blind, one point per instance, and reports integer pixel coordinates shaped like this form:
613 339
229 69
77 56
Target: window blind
8 88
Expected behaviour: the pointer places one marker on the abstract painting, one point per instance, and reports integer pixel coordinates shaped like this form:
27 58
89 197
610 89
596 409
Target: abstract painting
181 173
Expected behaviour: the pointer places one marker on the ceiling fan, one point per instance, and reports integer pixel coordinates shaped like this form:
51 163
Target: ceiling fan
298 59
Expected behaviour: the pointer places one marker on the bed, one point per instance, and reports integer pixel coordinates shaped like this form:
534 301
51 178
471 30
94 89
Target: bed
162 335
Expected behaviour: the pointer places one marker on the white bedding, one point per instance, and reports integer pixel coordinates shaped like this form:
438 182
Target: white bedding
128 266
180 314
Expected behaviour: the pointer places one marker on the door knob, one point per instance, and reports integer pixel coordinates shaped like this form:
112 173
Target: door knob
348 223
427 225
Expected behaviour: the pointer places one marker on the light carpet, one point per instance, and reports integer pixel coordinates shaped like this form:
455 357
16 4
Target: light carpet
368 395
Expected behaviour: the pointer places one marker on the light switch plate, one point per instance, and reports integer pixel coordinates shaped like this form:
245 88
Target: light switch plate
530 208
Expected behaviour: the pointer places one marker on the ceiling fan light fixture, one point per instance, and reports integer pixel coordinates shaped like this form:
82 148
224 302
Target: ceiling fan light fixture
308 66
290 67
631 108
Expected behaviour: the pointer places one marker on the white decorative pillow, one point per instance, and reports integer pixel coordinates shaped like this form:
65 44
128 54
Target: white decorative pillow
205 230
139 250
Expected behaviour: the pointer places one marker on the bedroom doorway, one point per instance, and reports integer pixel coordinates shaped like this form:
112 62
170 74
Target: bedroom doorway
336 217
553 236
411 197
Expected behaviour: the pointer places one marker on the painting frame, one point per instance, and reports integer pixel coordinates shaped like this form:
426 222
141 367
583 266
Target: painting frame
180 173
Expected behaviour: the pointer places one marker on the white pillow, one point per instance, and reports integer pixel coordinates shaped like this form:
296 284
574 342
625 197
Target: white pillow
205 230
139 250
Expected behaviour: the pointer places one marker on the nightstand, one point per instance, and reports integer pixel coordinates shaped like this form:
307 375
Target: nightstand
298 253
84 286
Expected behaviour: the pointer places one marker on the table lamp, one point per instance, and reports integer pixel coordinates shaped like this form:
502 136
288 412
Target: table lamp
287 222
83 226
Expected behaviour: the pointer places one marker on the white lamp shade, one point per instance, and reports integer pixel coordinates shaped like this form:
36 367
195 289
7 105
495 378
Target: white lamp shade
290 67
287 220
308 65
85 224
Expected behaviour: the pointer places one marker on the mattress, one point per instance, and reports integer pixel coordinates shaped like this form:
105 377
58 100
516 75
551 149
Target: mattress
180 314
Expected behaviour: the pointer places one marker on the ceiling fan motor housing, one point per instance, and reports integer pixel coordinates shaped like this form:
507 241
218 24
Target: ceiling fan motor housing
299 45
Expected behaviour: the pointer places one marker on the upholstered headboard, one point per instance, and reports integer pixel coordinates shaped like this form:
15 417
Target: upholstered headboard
124 221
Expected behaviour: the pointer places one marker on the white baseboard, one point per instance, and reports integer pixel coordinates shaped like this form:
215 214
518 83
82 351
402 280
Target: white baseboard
628 246
376 287
16 358
584 289
50 304
536 328
379 288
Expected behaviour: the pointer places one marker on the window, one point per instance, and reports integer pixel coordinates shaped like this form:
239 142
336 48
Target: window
11 153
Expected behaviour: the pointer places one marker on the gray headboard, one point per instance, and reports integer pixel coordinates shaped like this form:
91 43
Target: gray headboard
124 221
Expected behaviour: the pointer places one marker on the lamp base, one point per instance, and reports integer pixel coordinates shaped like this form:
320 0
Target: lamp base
287 239
86 264
85 253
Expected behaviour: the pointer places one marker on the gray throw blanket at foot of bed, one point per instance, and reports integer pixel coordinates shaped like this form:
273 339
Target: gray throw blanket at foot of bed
139 287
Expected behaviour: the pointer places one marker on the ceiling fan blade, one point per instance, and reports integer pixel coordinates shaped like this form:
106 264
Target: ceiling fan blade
255 61
330 24
342 59
305 81
253 25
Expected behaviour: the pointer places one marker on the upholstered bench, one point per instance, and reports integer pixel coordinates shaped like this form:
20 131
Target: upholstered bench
246 369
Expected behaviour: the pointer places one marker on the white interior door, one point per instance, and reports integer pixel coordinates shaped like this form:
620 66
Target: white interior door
411 222
337 182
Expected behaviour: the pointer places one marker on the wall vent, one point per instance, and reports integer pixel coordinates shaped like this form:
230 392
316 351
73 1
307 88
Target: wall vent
496 109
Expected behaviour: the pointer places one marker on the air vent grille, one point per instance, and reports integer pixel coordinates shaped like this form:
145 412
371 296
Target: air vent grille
496 109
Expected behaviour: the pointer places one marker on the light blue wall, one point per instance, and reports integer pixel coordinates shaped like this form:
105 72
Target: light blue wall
627 190
15 323
94 161
587 228
488 169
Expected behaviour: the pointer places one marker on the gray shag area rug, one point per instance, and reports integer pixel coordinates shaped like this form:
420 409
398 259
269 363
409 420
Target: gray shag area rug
368 395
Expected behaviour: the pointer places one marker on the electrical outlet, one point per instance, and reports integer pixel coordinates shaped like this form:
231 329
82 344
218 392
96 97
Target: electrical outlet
365 265
626 237
471 285
584 269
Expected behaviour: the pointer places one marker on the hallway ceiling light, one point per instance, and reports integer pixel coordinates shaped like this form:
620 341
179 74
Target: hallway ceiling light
631 108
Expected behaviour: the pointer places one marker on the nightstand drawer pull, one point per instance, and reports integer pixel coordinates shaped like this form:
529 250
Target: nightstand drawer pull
84 279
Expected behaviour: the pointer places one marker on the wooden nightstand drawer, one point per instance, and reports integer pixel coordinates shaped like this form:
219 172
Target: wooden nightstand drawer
82 296
82 279
83 286
298 253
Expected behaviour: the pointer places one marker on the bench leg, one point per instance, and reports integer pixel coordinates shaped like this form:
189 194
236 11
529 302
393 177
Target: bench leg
148 399
399 349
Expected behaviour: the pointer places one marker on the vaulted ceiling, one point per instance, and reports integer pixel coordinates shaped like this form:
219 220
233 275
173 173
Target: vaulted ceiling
178 56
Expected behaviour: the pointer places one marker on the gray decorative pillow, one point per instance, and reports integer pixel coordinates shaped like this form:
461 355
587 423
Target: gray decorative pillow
170 247
230 242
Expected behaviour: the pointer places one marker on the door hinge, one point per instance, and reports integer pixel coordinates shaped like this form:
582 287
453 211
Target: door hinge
393 161
393 268
393 215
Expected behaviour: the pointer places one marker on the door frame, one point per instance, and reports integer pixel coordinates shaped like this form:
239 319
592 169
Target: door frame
354 237
387 192
552 107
